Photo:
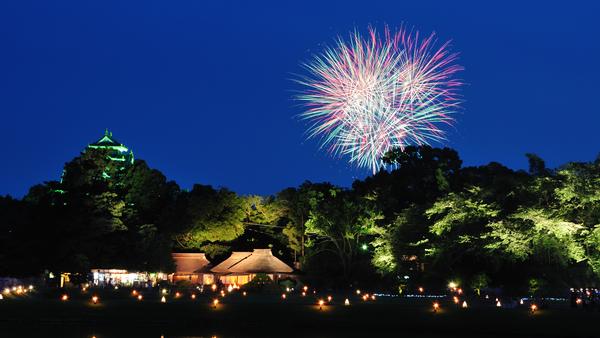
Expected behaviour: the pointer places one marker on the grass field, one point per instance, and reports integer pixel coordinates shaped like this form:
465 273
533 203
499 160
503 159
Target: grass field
118 314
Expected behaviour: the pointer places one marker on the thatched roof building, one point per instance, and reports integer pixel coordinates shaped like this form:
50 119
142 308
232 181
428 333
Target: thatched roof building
241 267
192 267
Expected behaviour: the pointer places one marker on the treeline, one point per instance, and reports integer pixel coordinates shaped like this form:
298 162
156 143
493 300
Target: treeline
427 221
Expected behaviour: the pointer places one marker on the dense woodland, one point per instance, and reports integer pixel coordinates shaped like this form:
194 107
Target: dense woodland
427 221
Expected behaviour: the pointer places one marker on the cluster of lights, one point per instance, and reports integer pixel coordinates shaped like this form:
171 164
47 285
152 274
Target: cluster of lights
18 290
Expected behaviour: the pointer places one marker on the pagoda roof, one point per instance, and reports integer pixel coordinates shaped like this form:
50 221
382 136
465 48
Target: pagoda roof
107 141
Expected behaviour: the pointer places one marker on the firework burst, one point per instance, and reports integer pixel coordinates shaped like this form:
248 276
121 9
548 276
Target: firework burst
370 94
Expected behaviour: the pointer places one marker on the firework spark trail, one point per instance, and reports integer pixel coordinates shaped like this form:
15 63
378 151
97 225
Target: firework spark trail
370 95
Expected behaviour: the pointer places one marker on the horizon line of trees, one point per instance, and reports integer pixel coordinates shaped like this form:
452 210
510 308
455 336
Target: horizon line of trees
430 219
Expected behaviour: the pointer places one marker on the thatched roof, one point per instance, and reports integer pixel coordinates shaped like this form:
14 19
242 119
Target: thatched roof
235 257
258 261
191 262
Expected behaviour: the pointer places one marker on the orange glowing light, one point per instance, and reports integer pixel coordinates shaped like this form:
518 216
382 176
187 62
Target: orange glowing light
321 302
215 303
373 297
214 287
436 306
244 293
193 296
140 297
421 290
95 299
64 298
283 296
578 301
459 291
303 293
305 288
533 308
329 298
455 299
177 294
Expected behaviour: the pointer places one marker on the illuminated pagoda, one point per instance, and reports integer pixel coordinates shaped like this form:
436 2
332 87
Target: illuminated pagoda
117 151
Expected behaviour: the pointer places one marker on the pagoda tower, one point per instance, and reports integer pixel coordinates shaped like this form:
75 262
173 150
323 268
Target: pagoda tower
117 151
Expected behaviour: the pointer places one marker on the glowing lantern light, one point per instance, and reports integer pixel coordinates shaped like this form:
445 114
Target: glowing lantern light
455 299
116 287
329 298
365 297
164 291
459 291
177 294
163 299
134 292
578 301
347 302
305 288
533 308
214 287
222 293
436 306
193 296
358 292
6 291
95 299
244 293
373 297
321 302
287 289
498 304
521 301
464 304
452 285
283 296
215 303
64 298
140 297
30 287
229 288
421 289
303 293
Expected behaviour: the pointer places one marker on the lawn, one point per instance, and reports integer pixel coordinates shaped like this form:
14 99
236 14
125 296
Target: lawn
119 314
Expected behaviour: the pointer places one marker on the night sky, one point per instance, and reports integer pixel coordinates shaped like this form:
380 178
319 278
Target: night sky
202 90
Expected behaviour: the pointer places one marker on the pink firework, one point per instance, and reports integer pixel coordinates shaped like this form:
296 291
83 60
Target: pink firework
376 93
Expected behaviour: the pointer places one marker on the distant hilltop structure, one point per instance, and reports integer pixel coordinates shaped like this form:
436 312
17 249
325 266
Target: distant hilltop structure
117 151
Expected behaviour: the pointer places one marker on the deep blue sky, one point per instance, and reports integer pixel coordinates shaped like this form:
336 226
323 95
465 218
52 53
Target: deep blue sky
201 89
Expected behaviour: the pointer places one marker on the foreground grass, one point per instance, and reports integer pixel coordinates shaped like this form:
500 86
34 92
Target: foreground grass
120 315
